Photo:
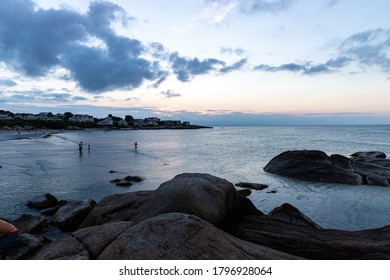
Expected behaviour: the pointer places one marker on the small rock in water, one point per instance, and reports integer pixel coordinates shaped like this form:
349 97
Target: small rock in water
113 171
115 181
49 211
253 186
245 192
42 202
124 184
31 224
370 154
133 179
273 191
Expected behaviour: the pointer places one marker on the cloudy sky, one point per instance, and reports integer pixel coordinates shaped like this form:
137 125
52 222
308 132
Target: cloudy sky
209 61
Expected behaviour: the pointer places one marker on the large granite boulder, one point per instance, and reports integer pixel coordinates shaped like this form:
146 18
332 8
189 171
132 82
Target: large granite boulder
29 223
71 215
182 236
87 243
313 243
165 237
67 248
370 168
290 214
26 245
253 186
212 199
116 207
222 225
41 202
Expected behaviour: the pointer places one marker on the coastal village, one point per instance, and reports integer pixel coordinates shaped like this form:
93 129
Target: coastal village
70 121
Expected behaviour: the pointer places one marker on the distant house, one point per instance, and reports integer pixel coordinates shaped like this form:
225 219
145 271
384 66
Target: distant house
25 116
106 121
47 116
60 116
43 116
186 123
138 122
5 117
122 123
151 121
81 118
171 123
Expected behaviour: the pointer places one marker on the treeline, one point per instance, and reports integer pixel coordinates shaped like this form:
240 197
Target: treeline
42 124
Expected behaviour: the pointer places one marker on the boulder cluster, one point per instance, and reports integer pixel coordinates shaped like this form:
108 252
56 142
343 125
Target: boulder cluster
361 168
192 216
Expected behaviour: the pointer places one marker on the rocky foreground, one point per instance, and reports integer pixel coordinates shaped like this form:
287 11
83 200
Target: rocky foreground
361 168
193 216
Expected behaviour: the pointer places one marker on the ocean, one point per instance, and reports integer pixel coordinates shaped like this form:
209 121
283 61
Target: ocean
34 165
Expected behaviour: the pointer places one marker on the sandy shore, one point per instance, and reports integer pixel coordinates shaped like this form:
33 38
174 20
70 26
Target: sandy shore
15 135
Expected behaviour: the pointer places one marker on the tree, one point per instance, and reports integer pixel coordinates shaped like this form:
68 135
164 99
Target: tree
67 115
130 120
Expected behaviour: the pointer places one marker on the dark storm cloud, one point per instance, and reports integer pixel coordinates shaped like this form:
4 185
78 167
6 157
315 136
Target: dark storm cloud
187 68
96 72
32 41
36 41
170 94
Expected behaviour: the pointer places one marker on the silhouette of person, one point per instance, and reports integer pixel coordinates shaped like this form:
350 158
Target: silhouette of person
81 147
135 145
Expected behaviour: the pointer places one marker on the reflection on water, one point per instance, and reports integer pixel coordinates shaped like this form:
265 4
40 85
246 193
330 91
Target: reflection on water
38 165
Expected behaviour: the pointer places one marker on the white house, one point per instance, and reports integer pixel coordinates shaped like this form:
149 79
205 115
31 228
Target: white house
5 117
25 116
106 121
151 121
81 118
122 123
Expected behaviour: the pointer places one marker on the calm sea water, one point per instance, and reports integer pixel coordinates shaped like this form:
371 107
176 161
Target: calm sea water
37 165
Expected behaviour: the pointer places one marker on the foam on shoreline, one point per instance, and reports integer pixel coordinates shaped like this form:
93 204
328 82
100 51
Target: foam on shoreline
15 135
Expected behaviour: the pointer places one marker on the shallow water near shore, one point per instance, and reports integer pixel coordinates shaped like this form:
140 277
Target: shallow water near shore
34 165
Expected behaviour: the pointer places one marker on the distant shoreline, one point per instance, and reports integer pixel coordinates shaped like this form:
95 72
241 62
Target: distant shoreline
20 134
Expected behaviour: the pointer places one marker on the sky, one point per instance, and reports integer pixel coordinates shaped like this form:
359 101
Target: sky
214 62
